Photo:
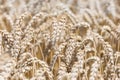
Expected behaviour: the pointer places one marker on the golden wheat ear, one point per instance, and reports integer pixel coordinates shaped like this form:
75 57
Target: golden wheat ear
59 39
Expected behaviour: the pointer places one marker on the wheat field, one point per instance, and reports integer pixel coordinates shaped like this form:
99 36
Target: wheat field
59 39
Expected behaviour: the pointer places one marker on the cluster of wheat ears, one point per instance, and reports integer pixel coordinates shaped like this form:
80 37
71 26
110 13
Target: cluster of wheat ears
59 39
